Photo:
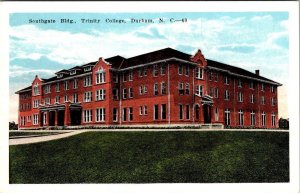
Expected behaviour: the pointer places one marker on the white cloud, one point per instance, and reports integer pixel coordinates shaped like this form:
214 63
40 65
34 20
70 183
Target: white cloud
18 71
262 18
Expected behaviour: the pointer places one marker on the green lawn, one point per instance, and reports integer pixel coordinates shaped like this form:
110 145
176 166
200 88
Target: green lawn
154 157
12 134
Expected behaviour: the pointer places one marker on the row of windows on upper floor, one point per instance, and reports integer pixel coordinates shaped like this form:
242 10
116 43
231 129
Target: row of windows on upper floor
128 93
101 78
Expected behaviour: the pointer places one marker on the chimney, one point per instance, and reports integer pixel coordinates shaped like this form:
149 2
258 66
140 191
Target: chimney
257 72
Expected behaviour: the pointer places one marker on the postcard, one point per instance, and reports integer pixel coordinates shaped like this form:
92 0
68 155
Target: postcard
150 96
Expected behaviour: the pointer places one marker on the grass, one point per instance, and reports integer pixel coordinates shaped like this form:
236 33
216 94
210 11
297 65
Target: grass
154 157
13 134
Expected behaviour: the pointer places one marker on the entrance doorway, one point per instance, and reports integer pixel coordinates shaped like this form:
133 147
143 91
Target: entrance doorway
60 117
207 113
52 118
75 117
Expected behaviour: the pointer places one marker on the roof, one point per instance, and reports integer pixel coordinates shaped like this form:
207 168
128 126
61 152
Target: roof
119 62
236 70
24 89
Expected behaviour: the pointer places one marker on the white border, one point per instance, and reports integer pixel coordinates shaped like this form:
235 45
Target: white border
83 7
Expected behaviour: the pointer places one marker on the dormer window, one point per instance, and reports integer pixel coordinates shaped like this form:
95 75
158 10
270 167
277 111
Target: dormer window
60 75
88 68
36 90
73 72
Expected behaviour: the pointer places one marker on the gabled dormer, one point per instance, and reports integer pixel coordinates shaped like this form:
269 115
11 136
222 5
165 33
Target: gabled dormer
101 71
36 86
75 70
62 73
88 67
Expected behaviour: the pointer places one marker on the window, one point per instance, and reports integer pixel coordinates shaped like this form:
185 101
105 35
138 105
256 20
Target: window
227 96
115 114
57 99
100 76
227 116
199 73
124 115
199 90
87 81
240 83
36 90
47 101
57 87
252 98
240 96
75 83
187 70
87 116
145 71
241 118
87 96
47 89
263 100
130 113
130 76
252 118
251 85
35 103
216 93
187 112
216 114
155 70
88 68
66 98
163 88
115 78
66 85
35 119
60 75
180 88
141 110
140 72
273 119
180 69
73 72
262 87
211 92
145 110
75 98
226 80
130 93
163 69
100 114
155 89
141 89
187 88
28 118
155 112
263 119
115 93
273 101
124 93
217 77
145 89
272 89
100 95
163 111
124 77
180 112
210 75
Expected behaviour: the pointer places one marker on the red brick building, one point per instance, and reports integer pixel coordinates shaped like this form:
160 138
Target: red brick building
161 87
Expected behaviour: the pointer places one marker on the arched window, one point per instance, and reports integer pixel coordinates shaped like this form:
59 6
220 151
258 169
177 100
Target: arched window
100 76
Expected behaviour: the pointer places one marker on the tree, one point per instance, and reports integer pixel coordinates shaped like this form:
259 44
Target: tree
13 126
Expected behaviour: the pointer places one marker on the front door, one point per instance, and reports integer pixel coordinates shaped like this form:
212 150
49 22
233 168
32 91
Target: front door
207 113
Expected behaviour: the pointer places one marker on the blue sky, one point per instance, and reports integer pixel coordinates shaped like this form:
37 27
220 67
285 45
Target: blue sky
251 40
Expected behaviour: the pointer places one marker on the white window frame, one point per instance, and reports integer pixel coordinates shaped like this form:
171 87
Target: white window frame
75 98
100 94
240 118
163 88
75 83
66 85
87 116
145 110
199 90
130 76
163 69
252 118
87 81
199 73
87 97
227 117
263 119
130 93
115 115
155 89
124 93
240 97
35 119
180 69
100 114
155 70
